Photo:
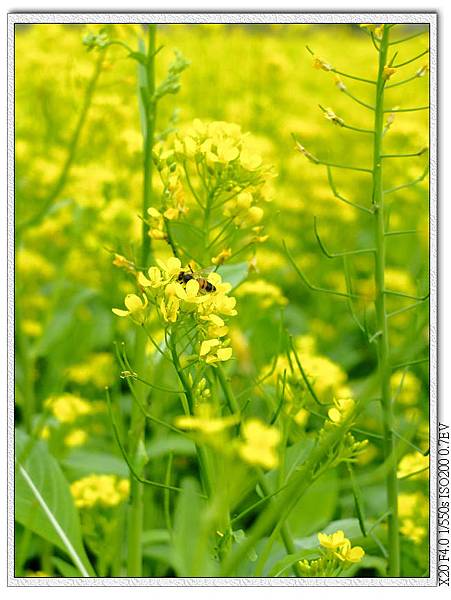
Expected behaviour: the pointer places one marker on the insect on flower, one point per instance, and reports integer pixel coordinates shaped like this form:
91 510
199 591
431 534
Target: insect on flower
204 284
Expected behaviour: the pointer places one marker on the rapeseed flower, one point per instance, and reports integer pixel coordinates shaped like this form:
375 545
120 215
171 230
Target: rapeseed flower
136 308
100 490
205 422
260 443
67 408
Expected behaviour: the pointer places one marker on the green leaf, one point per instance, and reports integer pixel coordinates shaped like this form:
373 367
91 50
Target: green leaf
316 507
191 554
44 503
234 274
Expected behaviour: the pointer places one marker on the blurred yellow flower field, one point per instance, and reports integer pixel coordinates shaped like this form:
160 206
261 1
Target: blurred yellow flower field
222 317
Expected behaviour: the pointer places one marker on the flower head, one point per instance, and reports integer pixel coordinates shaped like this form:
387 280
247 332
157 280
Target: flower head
136 308
260 443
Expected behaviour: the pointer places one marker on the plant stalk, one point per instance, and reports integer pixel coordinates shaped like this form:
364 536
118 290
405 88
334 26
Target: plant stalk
383 350
138 420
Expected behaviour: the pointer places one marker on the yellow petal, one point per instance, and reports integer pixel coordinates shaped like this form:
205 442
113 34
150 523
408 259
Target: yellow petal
143 281
120 313
133 302
224 353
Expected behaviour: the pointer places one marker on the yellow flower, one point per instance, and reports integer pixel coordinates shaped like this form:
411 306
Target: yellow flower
348 554
66 408
249 160
77 437
102 490
169 308
205 422
343 409
171 267
411 463
154 281
190 292
136 308
212 351
260 443
333 541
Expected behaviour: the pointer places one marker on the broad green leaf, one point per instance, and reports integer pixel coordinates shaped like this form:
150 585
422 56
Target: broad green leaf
43 501
316 507
190 540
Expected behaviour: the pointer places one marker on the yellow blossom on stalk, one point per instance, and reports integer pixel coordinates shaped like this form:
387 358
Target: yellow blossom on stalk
189 293
413 463
344 407
77 437
260 443
99 490
169 308
136 308
333 541
97 369
171 267
212 351
341 547
66 408
155 279
249 160
205 421
217 327
348 554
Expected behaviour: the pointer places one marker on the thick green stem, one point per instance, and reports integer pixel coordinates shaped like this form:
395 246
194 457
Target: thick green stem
138 421
383 351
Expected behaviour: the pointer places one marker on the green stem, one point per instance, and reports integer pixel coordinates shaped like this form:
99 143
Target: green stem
138 421
383 351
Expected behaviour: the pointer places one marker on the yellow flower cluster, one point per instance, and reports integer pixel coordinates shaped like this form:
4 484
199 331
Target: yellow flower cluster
414 466
259 442
96 370
100 490
343 410
326 377
405 387
337 554
341 547
174 299
66 408
205 421
218 166
414 514
267 293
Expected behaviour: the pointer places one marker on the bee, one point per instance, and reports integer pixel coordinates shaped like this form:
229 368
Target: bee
204 284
